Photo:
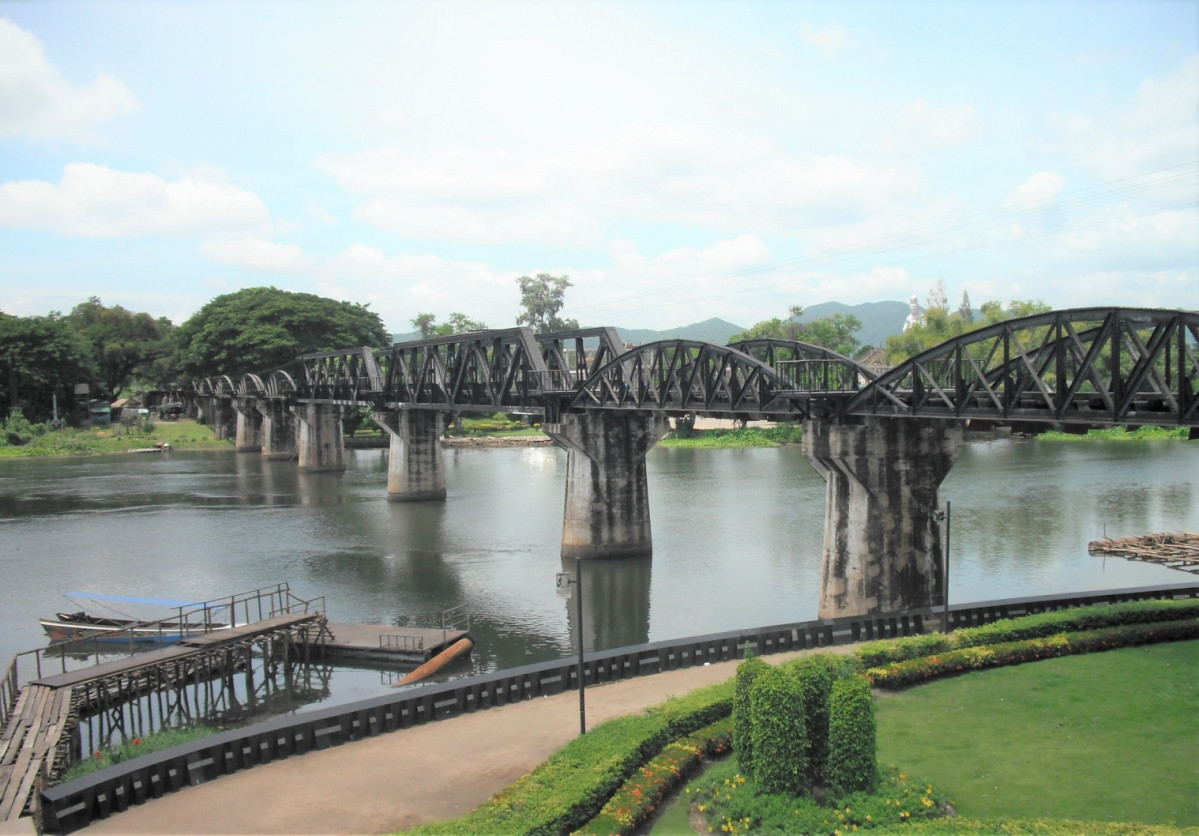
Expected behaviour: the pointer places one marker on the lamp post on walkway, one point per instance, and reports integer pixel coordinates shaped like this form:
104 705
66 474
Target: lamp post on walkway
564 580
945 516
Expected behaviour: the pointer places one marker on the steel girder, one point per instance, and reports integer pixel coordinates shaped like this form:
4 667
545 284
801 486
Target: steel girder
807 368
682 376
1082 367
350 376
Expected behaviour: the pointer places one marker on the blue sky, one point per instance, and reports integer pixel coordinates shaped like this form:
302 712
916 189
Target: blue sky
679 160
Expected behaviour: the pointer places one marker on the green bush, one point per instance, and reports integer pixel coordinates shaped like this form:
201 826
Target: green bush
915 671
851 738
776 704
816 675
743 741
571 788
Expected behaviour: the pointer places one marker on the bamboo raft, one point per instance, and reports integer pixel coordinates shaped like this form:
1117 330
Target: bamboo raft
1178 550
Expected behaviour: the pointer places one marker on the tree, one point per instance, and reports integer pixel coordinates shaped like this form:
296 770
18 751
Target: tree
836 332
124 344
458 323
964 309
542 298
937 297
941 326
261 329
40 357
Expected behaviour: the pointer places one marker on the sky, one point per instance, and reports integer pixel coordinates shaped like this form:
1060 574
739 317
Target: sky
677 160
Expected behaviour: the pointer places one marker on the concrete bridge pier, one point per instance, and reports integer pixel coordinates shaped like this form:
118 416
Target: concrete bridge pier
415 468
278 430
319 441
249 426
607 494
219 414
882 548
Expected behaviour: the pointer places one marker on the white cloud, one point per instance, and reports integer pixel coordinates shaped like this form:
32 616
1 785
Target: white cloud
920 127
95 201
1155 129
1042 186
711 178
829 40
258 254
37 103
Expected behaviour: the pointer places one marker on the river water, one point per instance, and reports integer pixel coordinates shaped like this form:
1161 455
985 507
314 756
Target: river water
737 538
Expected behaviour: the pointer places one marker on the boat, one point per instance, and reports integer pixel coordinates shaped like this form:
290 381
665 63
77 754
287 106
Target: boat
189 619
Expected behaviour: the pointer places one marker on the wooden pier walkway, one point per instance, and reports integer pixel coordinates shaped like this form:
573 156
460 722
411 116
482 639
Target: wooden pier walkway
37 739
384 644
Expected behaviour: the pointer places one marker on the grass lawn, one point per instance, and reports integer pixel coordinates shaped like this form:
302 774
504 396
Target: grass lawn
1103 737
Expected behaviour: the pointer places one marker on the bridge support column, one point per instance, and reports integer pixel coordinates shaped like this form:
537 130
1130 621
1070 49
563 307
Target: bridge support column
882 549
607 494
319 439
278 430
415 469
221 416
249 426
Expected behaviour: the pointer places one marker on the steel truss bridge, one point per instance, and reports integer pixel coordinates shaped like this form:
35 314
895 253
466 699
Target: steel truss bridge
1079 368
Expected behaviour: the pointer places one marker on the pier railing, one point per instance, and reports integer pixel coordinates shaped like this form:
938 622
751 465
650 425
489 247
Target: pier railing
73 805
202 617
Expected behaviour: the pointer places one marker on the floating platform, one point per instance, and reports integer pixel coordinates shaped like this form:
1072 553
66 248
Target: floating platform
1179 550
384 643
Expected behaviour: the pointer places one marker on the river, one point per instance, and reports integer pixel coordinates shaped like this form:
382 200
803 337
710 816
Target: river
737 538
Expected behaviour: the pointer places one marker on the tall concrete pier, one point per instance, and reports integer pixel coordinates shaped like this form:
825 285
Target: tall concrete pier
607 493
882 548
249 425
415 469
278 430
319 440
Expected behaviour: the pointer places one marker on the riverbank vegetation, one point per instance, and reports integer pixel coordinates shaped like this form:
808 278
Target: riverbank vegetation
615 778
40 440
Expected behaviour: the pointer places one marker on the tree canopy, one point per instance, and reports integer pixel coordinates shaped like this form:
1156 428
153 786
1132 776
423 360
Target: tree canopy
836 333
40 356
541 299
263 328
939 325
124 345
458 323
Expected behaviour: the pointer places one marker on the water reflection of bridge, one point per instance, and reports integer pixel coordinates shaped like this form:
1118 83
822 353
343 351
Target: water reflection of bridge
51 720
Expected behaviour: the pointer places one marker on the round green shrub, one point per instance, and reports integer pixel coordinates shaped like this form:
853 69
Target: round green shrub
779 733
852 759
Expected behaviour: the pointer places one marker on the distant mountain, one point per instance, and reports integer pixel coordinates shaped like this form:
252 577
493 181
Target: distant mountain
710 330
879 319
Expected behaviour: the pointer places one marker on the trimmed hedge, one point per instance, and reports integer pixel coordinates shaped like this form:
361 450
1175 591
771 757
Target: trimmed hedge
571 788
817 675
743 739
639 797
1038 625
915 671
780 738
852 762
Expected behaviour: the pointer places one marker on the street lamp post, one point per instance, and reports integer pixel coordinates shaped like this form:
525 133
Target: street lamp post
564 580
945 516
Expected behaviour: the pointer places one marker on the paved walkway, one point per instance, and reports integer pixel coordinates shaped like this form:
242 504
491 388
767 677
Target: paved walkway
424 774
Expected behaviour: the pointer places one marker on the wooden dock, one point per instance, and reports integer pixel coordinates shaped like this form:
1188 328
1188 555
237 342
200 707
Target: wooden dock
385 644
1175 551
37 739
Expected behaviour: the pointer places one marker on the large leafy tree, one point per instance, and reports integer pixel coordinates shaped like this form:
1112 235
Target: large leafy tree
541 299
40 357
125 345
263 328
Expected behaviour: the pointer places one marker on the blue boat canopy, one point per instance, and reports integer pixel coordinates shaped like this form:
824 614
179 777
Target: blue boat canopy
134 599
